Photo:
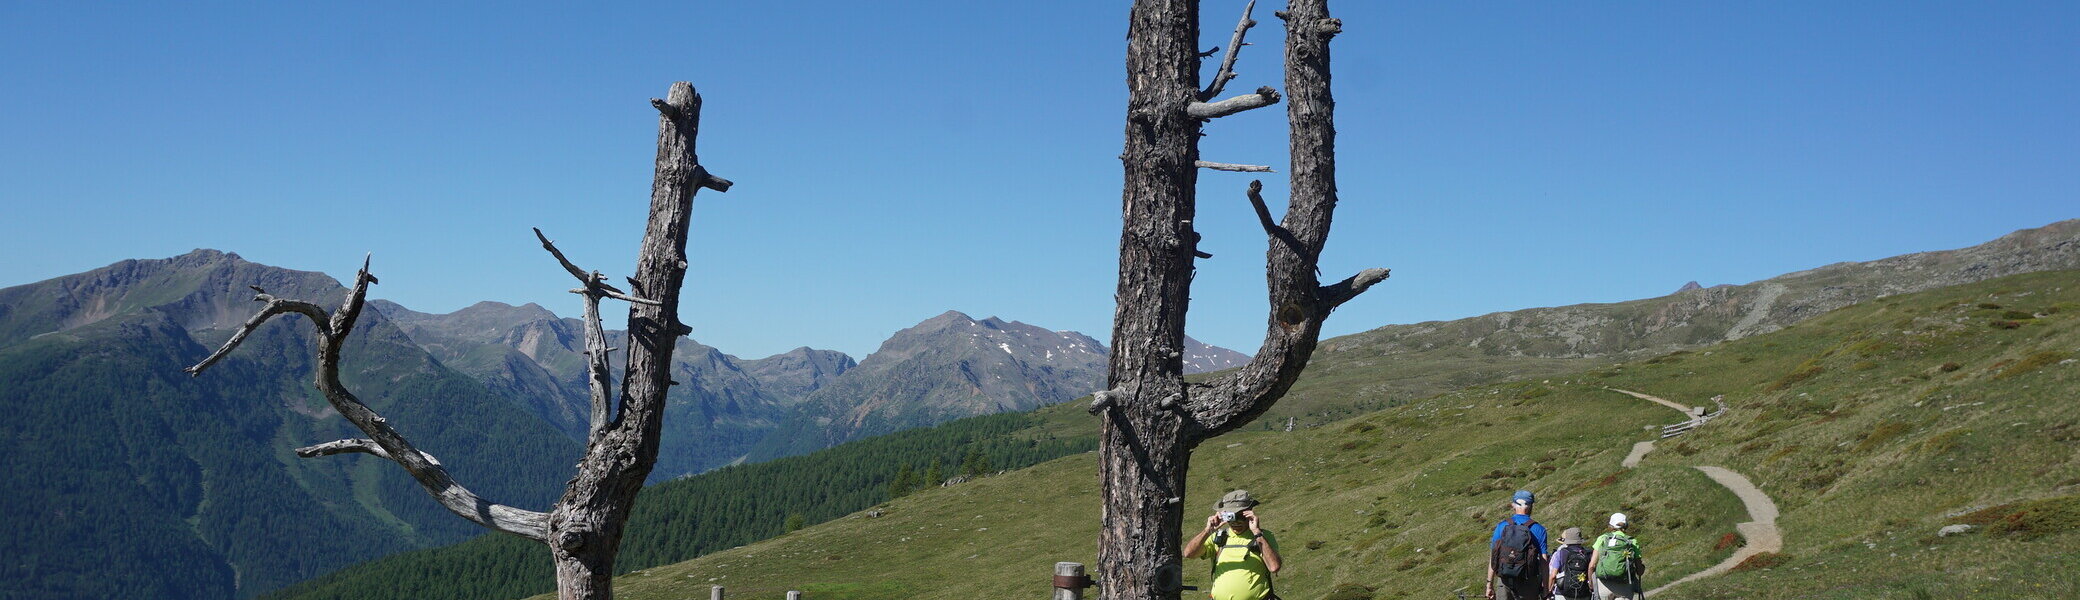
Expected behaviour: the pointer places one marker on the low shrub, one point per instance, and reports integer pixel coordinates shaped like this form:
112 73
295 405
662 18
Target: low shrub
1727 541
1352 591
2032 363
2029 519
1942 442
1805 370
1883 432
1762 561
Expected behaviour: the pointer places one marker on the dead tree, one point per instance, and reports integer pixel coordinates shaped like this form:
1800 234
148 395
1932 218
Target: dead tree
583 530
1151 417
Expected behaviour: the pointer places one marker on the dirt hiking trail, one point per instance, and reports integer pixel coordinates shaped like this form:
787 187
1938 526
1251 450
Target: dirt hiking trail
1759 534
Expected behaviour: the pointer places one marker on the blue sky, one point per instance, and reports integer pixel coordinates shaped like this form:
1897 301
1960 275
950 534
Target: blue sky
897 160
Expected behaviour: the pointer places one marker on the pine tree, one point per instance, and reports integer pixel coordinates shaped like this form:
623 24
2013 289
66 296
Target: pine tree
904 482
933 475
794 522
971 464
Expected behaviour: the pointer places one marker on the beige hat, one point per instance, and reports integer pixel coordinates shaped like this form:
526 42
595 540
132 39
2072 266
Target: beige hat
1571 536
1237 500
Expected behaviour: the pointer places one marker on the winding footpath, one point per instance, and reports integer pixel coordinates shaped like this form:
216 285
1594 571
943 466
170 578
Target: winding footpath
1640 450
1759 533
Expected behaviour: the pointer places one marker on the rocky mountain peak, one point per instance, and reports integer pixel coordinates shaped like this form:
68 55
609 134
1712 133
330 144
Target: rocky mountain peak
1201 357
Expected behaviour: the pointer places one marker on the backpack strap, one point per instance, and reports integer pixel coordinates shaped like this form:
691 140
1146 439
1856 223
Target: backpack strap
1220 542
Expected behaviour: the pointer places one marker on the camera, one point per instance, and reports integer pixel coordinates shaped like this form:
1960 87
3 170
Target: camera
1228 516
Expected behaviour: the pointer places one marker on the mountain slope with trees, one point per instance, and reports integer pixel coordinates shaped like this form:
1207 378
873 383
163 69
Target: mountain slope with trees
149 483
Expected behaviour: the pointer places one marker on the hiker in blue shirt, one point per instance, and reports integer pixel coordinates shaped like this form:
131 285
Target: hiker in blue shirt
1517 554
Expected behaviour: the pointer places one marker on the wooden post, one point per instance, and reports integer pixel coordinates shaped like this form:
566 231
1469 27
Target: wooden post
1069 581
715 593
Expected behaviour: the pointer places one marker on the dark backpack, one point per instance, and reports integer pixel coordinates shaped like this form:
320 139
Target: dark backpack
1574 572
1516 554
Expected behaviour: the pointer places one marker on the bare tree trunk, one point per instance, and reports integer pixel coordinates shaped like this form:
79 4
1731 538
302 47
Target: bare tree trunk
1151 418
583 531
585 527
1142 449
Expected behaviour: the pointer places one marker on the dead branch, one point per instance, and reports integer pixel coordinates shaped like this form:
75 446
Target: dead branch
597 379
1204 164
1271 227
1235 44
1335 294
1264 96
384 441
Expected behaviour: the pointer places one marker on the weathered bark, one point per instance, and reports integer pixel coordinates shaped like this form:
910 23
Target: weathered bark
583 530
1142 450
585 527
1151 419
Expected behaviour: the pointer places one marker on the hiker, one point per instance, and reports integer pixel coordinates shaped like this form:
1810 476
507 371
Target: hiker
1617 563
1515 553
1568 574
1244 555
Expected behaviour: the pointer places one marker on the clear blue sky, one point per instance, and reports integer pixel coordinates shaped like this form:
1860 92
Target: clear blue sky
897 160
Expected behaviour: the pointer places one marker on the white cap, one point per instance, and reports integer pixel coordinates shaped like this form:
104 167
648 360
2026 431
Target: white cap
1618 520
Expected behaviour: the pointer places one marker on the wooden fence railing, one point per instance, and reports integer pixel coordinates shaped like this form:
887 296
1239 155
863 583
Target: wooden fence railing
715 593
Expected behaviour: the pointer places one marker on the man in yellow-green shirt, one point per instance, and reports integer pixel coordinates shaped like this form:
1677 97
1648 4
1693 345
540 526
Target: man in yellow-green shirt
1244 555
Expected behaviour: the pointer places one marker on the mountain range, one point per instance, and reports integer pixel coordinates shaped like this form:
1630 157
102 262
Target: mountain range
734 409
159 485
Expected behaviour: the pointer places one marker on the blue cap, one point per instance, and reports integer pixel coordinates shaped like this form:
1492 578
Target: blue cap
1524 497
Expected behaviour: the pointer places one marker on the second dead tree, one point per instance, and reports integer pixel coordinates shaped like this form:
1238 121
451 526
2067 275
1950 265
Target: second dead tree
1151 418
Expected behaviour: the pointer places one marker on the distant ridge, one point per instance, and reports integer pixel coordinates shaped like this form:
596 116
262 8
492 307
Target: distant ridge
536 358
1420 359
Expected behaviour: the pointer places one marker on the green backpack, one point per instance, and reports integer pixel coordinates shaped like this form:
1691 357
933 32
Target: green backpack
1620 557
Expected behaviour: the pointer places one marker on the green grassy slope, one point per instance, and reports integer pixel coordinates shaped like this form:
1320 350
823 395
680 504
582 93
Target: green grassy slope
1871 427
1396 363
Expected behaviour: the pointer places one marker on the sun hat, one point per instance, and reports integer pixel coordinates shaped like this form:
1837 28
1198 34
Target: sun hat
1618 520
1237 500
1571 536
1524 498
